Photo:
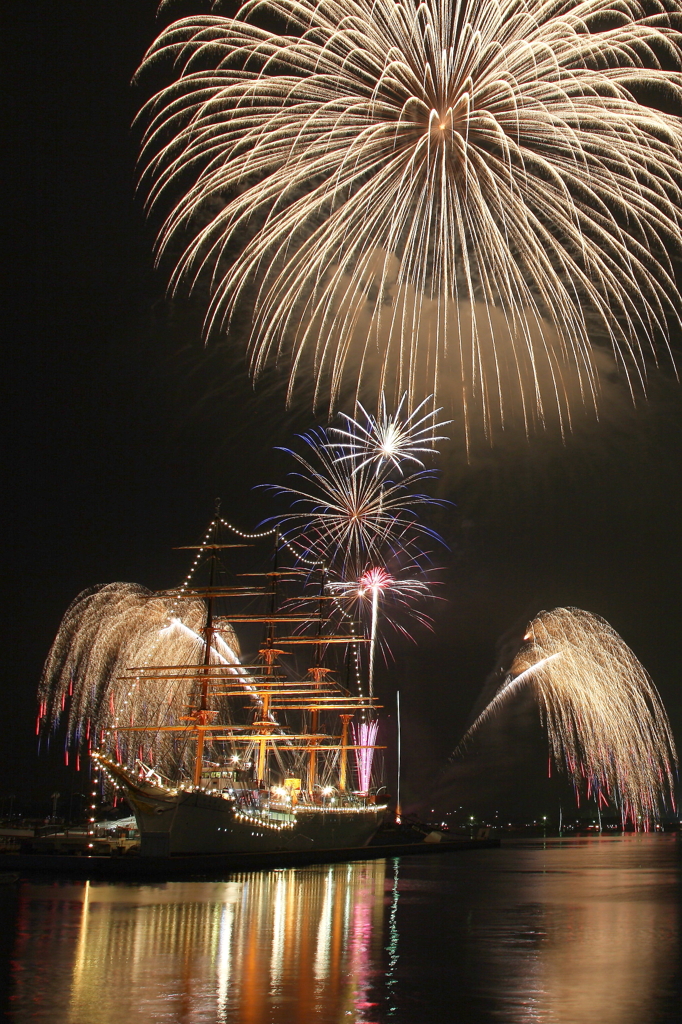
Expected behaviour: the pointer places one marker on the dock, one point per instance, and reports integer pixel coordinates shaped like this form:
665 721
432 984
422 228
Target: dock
125 867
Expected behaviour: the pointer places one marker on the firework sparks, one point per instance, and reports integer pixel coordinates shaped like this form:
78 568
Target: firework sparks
370 588
379 170
394 438
605 719
346 513
107 630
364 737
359 593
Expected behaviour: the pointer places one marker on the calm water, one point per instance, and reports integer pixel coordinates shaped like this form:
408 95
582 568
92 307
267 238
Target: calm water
558 932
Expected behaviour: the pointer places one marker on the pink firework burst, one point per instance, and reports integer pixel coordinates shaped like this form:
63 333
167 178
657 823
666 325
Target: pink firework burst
377 578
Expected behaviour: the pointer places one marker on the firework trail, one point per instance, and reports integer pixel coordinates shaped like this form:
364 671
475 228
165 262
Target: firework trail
377 171
369 591
364 736
106 631
604 717
359 591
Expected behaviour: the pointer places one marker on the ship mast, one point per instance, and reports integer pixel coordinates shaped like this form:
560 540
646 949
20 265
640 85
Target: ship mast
203 712
215 676
270 655
318 672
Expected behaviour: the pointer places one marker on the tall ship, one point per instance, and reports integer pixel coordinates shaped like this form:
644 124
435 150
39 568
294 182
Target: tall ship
224 752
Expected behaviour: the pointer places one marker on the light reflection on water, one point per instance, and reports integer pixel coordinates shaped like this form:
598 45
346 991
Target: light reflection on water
289 942
555 933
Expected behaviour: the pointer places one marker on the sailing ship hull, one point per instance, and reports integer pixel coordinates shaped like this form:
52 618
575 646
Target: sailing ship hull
187 822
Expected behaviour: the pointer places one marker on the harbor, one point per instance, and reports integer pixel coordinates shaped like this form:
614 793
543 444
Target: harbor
342 549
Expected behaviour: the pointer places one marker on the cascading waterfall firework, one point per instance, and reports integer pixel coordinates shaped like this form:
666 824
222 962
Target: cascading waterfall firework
106 631
604 717
396 179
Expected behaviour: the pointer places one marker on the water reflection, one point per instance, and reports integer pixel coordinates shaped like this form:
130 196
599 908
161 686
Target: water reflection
556 933
284 946
393 937
594 937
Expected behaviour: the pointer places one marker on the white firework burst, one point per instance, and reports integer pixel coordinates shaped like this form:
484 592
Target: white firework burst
391 179
345 513
395 438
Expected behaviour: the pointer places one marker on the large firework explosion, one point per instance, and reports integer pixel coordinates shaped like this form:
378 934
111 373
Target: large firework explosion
107 631
400 184
605 720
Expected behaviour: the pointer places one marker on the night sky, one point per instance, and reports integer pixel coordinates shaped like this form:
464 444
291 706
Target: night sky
122 428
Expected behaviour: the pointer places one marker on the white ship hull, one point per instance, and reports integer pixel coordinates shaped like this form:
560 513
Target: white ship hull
195 821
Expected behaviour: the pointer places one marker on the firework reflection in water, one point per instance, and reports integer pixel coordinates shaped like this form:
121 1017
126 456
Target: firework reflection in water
107 630
604 717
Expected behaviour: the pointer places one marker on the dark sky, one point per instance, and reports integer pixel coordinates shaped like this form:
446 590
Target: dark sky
122 429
